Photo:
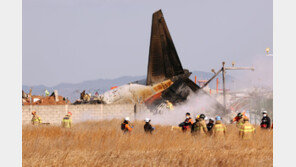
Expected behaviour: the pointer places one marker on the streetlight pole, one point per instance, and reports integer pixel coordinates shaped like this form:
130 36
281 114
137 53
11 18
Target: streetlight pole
223 70
224 93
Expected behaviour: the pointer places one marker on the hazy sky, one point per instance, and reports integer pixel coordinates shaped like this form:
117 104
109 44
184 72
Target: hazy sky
76 40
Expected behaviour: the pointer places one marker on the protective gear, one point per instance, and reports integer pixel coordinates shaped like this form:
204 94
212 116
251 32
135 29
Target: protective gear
247 130
125 126
147 119
122 126
195 127
219 129
69 113
210 127
202 116
240 122
218 118
67 121
265 122
264 112
187 124
197 117
36 120
169 105
239 119
240 115
148 127
127 118
202 127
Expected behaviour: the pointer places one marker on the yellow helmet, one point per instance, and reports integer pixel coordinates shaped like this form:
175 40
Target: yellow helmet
197 117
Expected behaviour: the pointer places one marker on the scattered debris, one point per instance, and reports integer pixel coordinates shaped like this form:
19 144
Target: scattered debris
28 99
88 99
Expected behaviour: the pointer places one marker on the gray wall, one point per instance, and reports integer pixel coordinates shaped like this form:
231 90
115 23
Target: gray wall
53 114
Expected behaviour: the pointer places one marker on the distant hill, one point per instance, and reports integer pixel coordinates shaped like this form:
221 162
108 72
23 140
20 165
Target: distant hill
72 91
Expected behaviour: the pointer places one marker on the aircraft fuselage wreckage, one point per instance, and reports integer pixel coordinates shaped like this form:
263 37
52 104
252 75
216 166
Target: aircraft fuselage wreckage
166 79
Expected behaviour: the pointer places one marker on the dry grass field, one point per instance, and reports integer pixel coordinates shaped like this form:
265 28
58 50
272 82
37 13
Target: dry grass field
103 144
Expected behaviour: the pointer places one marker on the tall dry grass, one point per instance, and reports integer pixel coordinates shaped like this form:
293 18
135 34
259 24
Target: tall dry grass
103 144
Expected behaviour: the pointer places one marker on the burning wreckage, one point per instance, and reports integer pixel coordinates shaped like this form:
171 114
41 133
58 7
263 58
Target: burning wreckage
167 82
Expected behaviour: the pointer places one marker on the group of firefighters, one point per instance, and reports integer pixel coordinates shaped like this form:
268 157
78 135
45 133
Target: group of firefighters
212 128
199 126
66 121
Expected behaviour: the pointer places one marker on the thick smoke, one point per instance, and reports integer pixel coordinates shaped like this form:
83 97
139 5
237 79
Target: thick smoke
196 104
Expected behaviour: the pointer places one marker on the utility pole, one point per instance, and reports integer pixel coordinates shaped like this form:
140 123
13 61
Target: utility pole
223 70
224 92
231 68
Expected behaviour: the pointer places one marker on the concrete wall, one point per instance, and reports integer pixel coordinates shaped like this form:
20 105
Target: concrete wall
53 114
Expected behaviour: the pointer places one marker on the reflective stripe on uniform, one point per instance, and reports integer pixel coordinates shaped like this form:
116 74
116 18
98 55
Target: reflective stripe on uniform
66 122
219 127
36 119
247 128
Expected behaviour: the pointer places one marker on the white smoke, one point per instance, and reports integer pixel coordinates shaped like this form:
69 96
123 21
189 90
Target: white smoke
196 104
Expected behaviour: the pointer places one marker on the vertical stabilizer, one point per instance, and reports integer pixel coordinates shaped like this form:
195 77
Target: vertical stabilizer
164 62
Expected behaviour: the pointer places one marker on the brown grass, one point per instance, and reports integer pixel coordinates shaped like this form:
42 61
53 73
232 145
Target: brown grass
103 144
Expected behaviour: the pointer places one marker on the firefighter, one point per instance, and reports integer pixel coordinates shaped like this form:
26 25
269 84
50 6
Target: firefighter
67 120
210 126
202 125
187 124
126 125
247 130
195 127
265 121
219 129
239 119
148 127
36 120
169 105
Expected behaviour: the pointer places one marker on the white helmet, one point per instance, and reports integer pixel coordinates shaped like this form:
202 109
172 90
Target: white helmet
264 112
147 119
127 118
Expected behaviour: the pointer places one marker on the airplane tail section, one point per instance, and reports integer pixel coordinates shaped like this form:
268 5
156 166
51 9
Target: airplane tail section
164 62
